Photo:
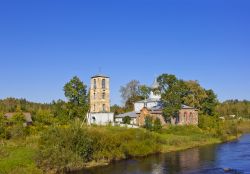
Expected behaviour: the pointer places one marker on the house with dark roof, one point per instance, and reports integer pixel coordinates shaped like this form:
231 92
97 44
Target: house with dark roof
132 115
27 117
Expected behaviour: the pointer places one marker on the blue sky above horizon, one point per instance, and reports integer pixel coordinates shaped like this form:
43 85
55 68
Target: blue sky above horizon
44 43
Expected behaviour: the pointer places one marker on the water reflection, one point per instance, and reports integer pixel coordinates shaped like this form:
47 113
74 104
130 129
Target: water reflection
210 159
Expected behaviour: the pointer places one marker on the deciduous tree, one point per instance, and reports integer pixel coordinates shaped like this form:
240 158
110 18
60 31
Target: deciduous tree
76 93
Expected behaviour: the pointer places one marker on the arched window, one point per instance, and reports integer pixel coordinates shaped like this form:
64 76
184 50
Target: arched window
94 107
93 119
94 95
177 119
94 83
191 117
103 95
103 108
103 84
185 117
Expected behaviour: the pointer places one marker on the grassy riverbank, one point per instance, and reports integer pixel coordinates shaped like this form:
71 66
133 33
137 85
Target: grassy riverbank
18 156
61 148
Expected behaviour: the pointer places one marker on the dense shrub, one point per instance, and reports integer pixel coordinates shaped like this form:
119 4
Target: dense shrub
208 122
157 124
148 123
81 143
222 129
2 126
13 128
70 147
126 120
44 117
152 125
55 150
17 131
73 146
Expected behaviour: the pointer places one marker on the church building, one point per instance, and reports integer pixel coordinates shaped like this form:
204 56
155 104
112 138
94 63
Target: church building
153 107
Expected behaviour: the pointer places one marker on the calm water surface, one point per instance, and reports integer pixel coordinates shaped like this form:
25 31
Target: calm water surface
210 159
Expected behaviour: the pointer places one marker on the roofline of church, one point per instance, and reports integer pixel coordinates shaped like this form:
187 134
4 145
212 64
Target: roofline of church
99 75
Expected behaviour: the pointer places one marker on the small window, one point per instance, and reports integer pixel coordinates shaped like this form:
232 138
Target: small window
103 108
94 83
94 107
103 95
103 84
94 95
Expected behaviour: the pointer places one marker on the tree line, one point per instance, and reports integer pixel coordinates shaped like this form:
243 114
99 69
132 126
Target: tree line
59 112
234 107
174 92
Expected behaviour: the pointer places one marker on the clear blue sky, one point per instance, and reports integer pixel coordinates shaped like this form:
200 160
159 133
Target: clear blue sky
44 43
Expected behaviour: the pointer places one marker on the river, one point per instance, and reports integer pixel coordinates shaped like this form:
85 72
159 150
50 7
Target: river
231 157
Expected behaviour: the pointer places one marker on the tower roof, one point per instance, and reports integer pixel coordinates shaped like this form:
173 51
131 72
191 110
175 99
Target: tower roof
155 85
99 75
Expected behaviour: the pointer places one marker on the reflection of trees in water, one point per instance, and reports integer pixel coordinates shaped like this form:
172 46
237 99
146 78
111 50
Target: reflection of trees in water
189 159
185 160
173 162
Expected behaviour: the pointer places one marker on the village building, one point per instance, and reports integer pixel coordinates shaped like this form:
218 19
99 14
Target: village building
187 116
153 108
132 115
100 101
27 117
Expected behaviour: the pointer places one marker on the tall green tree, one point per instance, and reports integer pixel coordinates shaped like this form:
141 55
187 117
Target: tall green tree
60 110
75 91
144 91
175 92
194 94
210 103
171 94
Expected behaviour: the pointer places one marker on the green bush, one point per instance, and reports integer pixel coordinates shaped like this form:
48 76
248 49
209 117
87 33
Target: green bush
222 129
61 148
81 144
107 146
208 122
2 127
148 123
126 120
152 125
157 125
44 117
